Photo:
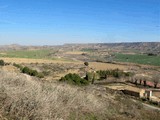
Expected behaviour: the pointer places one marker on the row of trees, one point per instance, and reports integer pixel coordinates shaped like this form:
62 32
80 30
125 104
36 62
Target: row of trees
142 80
103 74
156 80
92 76
29 71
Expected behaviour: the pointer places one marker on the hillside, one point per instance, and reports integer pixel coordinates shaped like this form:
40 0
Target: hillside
25 97
140 46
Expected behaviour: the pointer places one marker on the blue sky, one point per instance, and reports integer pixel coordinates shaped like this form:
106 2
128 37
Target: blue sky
52 22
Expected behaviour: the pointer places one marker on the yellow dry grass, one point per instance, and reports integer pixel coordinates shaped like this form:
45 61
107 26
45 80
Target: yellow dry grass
9 68
123 87
94 65
2 53
25 60
59 75
75 52
105 66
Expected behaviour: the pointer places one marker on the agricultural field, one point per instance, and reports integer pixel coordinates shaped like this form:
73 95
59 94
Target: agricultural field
105 66
138 58
33 54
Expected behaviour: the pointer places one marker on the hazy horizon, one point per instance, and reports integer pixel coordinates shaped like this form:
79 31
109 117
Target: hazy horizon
75 43
58 22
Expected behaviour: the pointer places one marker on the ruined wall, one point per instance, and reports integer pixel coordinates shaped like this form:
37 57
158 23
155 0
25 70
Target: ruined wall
132 93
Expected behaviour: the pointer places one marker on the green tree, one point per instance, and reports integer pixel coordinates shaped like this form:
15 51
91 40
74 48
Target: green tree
74 79
33 72
94 78
26 70
86 63
89 76
2 63
18 66
40 75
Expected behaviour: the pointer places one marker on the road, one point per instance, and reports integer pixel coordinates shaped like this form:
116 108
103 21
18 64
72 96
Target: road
147 106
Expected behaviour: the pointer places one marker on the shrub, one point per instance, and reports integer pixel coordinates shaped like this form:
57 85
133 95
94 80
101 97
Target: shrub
103 74
128 74
40 75
46 73
2 63
18 66
32 72
26 70
86 63
74 79
89 76
116 73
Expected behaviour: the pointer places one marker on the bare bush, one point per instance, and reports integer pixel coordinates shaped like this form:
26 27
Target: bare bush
156 80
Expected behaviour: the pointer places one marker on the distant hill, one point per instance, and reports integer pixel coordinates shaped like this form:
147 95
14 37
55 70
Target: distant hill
144 47
153 47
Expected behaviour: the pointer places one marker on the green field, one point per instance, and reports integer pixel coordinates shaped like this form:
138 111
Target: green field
34 54
88 50
138 58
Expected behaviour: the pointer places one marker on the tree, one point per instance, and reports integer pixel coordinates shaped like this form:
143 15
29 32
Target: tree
102 74
145 82
2 63
33 72
18 66
74 79
140 81
94 77
156 80
86 63
136 81
89 76
40 75
26 70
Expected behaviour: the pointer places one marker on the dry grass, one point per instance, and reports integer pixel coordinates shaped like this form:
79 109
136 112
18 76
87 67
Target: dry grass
75 52
10 68
59 75
2 53
120 86
25 60
105 66
25 98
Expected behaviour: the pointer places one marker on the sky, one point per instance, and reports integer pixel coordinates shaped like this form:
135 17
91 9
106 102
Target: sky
56 22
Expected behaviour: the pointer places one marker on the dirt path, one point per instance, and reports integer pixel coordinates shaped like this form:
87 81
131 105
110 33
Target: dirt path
147 106
28 77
